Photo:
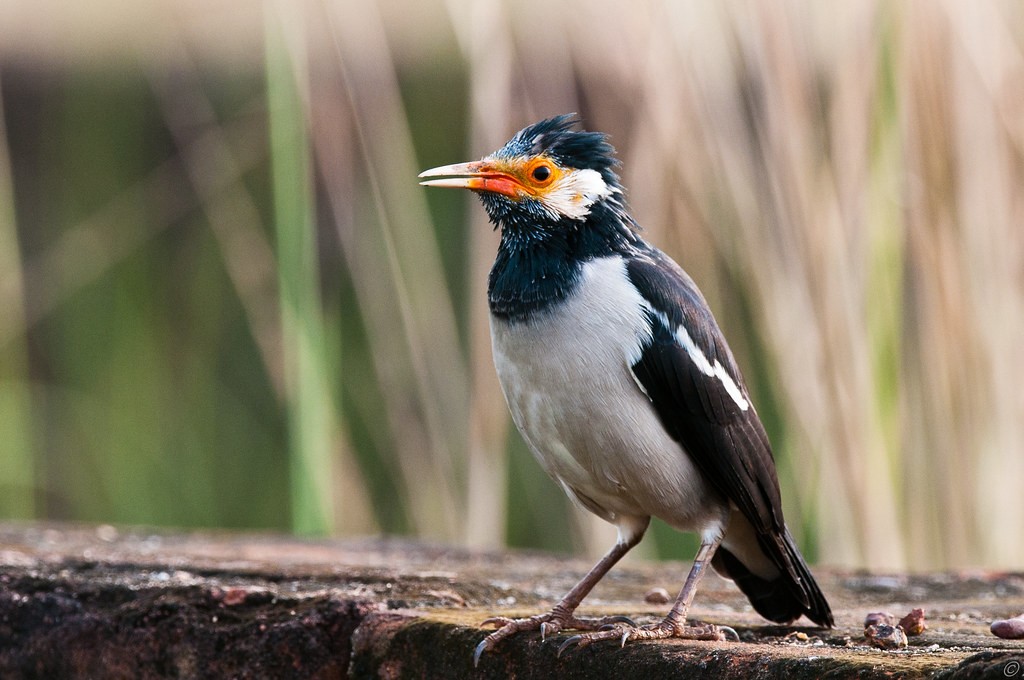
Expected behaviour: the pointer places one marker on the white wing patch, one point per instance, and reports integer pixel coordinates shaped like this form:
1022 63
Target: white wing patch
573 194
703 365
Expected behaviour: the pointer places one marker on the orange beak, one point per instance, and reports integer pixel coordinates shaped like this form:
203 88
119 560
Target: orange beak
476 176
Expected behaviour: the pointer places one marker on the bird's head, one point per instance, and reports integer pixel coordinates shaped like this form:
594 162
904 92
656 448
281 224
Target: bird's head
548 178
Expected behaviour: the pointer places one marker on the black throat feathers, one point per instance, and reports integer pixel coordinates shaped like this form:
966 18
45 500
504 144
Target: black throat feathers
539 266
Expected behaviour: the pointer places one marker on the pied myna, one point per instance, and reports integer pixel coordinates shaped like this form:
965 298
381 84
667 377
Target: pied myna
622 384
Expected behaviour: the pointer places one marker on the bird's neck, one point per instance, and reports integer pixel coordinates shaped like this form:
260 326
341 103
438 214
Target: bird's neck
538 268
529 276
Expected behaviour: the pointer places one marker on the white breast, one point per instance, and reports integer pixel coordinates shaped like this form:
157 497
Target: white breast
567 379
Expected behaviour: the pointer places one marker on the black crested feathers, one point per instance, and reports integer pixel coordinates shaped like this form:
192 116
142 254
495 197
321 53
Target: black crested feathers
571 148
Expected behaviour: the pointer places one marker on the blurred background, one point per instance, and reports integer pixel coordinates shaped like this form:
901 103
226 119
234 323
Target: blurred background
226 302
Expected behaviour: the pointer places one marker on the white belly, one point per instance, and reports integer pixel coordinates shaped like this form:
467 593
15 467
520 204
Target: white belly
567 379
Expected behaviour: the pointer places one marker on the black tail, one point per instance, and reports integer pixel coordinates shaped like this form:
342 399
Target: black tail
786 598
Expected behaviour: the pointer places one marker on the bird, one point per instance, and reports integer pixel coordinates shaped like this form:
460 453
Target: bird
621 382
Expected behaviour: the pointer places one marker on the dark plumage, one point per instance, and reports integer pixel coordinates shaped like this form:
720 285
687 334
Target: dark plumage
571 148
622 384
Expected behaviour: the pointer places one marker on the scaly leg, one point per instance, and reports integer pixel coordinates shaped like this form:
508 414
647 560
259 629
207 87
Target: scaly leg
561 616
674 624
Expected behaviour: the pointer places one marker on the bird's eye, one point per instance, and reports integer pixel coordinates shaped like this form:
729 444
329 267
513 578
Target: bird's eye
541 173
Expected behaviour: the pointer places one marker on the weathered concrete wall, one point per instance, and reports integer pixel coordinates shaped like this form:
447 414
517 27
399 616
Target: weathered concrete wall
96 602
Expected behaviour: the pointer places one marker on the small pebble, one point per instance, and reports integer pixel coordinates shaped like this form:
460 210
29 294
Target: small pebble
886 637
1009 629
234 596
913 623
656 596
106 533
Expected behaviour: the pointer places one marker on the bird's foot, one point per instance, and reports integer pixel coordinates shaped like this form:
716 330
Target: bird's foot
548 624
657 631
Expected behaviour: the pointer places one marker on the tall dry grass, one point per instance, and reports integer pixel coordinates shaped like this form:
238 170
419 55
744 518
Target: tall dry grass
843 181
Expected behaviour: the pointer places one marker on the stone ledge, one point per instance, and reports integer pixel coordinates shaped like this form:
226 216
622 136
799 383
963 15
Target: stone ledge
85 602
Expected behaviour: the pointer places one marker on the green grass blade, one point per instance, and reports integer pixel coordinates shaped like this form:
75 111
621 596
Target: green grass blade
307 369
17 463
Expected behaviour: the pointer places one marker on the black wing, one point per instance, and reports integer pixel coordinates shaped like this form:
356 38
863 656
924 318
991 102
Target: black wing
699 394
693 382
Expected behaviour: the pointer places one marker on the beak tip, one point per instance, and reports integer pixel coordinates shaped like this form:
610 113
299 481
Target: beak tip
470 168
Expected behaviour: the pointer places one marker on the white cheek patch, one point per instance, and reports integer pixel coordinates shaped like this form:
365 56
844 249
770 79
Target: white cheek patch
573 194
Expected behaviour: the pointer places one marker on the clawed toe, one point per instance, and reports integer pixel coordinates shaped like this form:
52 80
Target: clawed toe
498 621
608 632
620 628
729 634
708 632
612 620
479 651
548 624
658 631
574 640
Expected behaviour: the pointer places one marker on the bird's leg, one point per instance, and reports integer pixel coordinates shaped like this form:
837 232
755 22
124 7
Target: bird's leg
676 618
674 624
561 616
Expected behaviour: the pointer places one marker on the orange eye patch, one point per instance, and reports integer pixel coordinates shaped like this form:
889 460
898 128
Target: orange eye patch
541 172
